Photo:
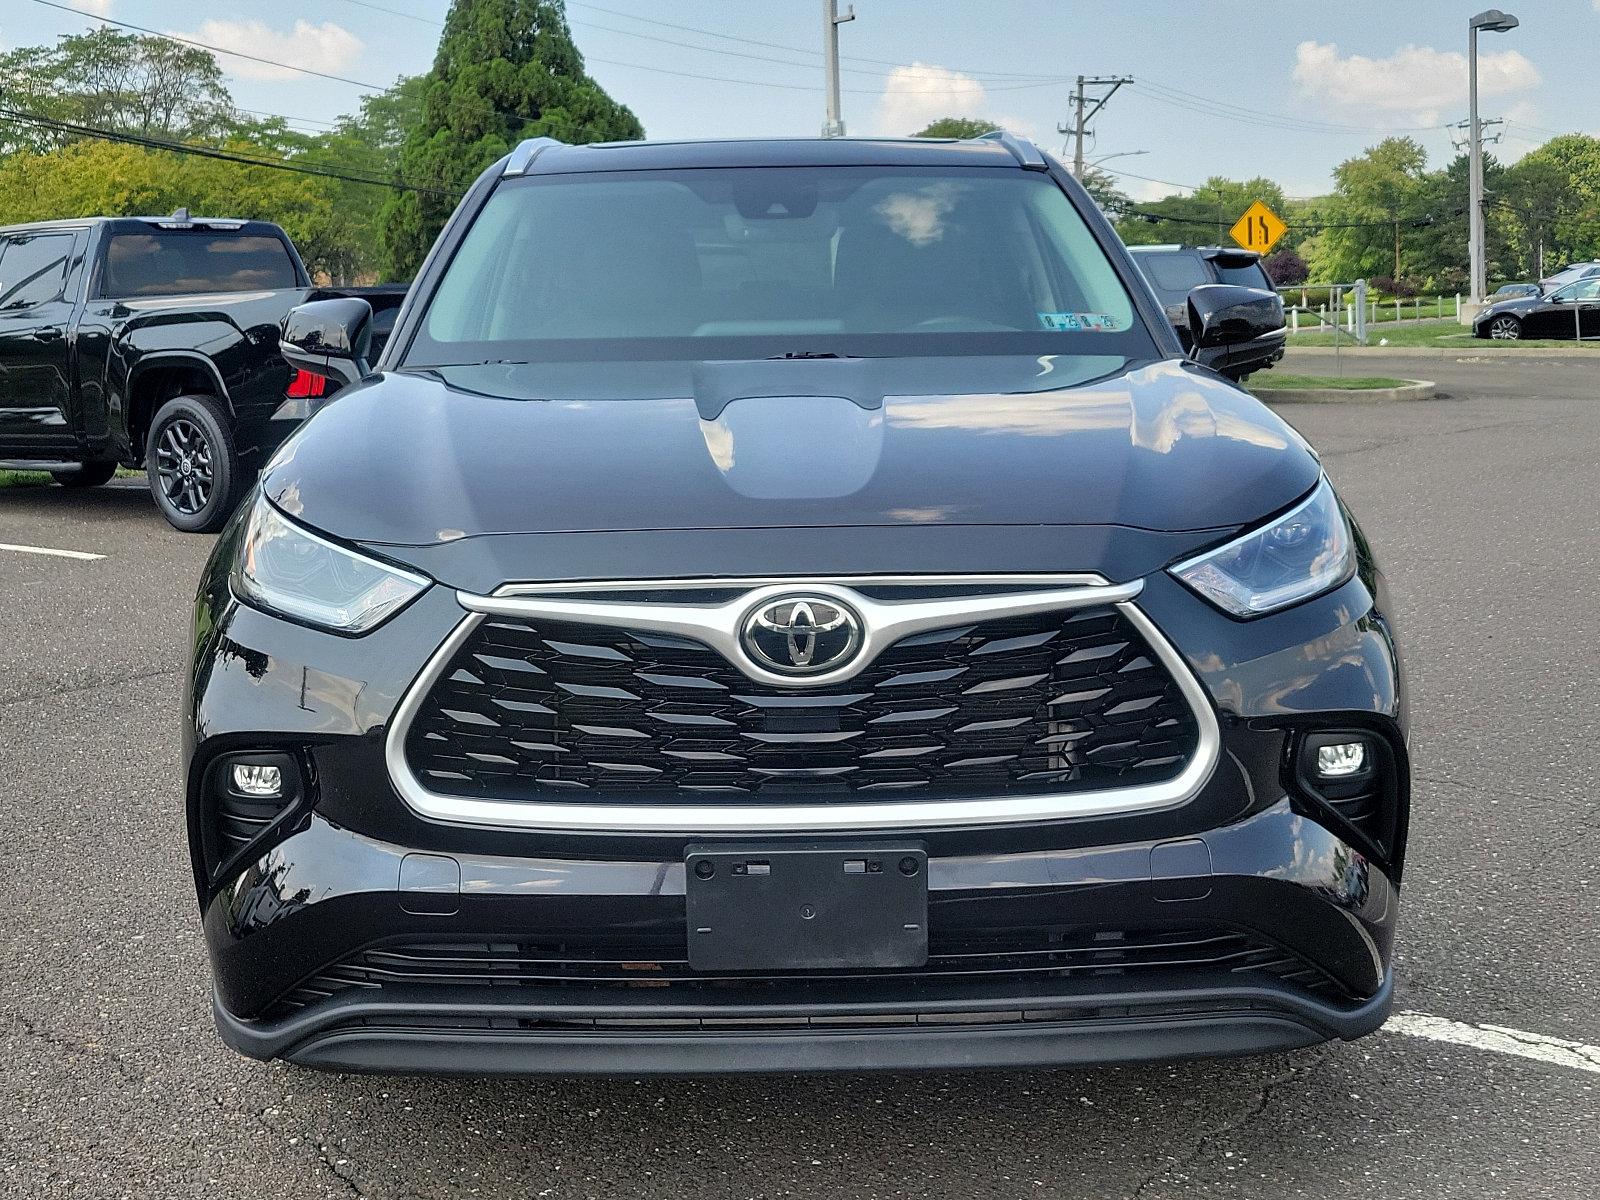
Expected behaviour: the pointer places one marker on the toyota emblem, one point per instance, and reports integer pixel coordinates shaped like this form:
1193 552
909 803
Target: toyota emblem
802 635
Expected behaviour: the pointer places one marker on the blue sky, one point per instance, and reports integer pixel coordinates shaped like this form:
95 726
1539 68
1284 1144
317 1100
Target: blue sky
1222 86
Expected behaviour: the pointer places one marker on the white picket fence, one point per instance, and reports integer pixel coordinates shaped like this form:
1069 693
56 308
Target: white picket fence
1349 308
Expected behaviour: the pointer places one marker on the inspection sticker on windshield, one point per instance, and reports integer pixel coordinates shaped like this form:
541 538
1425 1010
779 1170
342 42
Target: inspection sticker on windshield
1062 322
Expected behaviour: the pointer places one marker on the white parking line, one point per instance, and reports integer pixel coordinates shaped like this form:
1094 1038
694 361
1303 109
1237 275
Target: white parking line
1498 1040
83 554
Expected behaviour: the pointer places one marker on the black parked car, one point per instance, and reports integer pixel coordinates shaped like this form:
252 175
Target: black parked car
791 605
152 341
1175 271
1572 311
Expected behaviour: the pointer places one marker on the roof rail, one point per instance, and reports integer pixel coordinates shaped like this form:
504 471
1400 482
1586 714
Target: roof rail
1024 151
522 157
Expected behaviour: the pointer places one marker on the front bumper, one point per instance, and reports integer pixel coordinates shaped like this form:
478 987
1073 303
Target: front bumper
1293 906
1266 934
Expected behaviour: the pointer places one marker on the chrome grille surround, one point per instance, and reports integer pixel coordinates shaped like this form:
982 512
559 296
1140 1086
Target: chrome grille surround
717 624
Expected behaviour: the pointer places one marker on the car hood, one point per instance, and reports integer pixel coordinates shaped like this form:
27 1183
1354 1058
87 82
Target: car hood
1517 305
431 458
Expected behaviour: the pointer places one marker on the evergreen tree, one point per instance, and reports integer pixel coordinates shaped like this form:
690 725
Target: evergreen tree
506 70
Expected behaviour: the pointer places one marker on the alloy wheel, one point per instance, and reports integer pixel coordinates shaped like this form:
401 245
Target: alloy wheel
185 467
1505 329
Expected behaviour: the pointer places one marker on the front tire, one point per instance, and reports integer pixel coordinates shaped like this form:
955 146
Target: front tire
87 475
1505 329
195 475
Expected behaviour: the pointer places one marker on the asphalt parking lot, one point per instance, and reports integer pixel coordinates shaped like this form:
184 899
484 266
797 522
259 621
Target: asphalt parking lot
1482 506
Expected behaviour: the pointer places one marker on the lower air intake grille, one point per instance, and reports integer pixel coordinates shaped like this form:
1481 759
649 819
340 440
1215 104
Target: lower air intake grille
1010 963
1058 702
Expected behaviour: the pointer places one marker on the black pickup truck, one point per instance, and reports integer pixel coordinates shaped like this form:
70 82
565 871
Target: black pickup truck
153 341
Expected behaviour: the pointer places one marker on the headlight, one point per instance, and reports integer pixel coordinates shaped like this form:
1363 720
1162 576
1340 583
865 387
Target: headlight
1304 553
292 572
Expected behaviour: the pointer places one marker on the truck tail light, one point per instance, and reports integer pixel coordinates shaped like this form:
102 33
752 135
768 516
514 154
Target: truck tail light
305 385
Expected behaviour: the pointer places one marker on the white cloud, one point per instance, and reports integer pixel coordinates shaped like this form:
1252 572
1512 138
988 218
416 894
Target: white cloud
325 47
102 8
915 96
1416 85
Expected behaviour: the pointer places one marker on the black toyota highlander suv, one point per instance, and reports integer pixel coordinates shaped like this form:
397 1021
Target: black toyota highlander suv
785 605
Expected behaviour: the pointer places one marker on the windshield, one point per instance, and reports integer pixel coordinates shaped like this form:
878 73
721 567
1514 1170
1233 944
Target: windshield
719 263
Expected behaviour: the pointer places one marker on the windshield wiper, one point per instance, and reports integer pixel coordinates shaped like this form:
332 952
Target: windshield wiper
797 354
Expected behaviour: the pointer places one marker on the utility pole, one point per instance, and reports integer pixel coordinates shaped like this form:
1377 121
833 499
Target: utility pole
831 20
1475 136
1083 111
1077 132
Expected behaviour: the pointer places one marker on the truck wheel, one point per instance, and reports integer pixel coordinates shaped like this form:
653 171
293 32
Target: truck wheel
195 476
86 476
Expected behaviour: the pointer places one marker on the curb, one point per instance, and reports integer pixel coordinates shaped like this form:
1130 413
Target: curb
1415 389
1462 352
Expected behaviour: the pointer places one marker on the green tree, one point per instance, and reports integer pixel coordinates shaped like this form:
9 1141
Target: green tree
113 80
97 178
1534 196
1372 193
1102 186
957 127
1575 230
505 70
368 145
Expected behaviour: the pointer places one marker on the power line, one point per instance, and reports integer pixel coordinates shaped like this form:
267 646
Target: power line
612 12
807 66
666 41
1178 98
172 37
284 117
212 152
377 87
169 37
1187 187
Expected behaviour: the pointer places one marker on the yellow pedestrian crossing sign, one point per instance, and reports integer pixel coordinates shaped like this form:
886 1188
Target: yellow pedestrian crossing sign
1259 229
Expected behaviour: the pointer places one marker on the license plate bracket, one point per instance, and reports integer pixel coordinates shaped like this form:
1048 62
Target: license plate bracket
804 907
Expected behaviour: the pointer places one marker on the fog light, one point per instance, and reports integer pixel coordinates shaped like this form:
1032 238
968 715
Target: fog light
257 779
1338 760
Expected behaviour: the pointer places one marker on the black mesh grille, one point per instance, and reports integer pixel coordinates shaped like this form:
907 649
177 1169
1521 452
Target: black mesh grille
1053 702
1009 963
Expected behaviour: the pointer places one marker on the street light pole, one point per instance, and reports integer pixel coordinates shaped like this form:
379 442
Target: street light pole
1095 162
1493 21
831 20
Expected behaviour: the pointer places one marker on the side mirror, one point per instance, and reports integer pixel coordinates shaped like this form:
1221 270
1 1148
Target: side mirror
1223 315
331 338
